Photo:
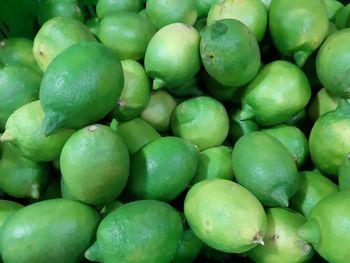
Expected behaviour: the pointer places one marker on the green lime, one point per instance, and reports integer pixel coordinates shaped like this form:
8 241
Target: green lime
332 28
278 92
56 35
64 8
127 34
7 208
214 162
159 110
109 7
188 89
264 166
21 177
172 56
281 243
56 230
298 27
136 133
93 24
77 90
19 85
266 3
327 227
164 12
203 7
332 63
18 50
23 133
322 103
342 17
194 120
293 139
135 94
96 148
332 7
344 174
162 169
313 188
328 141
251 13
110 207
240 127
230 52
119 239
211 211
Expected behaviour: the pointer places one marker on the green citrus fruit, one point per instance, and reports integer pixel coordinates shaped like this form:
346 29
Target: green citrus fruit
96 148
211 211
110 7
264 166
230 52
77 90
344 174
119 239
332 7
342 17
23 132
93 24
298 27
7 208
240 127
203 7
322 103
194 119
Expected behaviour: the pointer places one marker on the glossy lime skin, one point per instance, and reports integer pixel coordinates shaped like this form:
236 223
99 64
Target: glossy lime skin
109 7
55 230
7 208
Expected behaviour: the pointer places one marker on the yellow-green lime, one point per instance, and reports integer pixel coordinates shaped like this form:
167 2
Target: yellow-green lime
293 139
55 230
332 63
159 110
172 56
230 52
214 162
7 208
329 139
298 27
136 91
281 243
342 17
201 120
19 85
164 12
332 7
277 93
322 103
21 177
110 7
95 164
23 132
240 127
203 7
251 13
56 35
136 133
77 90
327 228
264 166
162 169
313 188
211 211
54 8
119 238
127 34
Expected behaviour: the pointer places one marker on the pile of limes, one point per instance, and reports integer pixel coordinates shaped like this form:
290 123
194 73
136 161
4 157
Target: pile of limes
176 131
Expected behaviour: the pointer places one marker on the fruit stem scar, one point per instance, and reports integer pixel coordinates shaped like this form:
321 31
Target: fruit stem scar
92 128
3 43
258 239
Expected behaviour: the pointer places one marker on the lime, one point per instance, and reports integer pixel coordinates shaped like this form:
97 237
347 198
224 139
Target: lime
327 227
230 52
279 91
164 12
172 56
23 133
333 7
332 63
322 103
119 239
328 142
110 7
159 110
313 188
56 230
251 13
110 207
162 169
136 91
265 167
77 90
214 219
7 208
203 7
127 34
281 243
344 174
240 127
342 17
194 119
93 24
298 27
95 148
56 35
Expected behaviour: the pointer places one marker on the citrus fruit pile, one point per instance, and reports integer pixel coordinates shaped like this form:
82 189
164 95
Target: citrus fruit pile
177 131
